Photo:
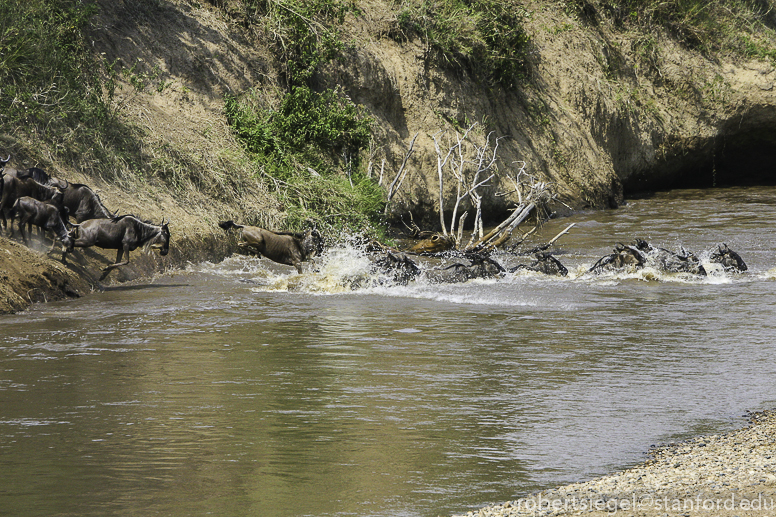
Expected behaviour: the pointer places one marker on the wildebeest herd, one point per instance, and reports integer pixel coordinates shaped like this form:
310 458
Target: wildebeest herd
34 198
402 267
625 257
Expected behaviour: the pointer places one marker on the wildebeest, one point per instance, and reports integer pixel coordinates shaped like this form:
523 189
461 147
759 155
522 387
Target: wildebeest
481 266
398 265
282 247
544 263
35 173
624 256
38 175
30 211
83 203
642 254
125 233
14 188
729 259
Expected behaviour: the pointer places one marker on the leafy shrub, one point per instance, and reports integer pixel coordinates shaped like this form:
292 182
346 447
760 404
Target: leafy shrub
312 130
307 123
485 35
306 32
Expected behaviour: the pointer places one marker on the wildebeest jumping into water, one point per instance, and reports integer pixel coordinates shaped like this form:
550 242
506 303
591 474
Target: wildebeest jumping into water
282 247
124 233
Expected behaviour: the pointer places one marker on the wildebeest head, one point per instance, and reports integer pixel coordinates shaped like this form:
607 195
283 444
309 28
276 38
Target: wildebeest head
728 258
312 243
162 241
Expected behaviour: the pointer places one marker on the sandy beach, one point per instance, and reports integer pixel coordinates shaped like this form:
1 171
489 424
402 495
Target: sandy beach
730 474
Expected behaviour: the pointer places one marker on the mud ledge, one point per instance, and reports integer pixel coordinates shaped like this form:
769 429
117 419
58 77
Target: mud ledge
716 475
31 275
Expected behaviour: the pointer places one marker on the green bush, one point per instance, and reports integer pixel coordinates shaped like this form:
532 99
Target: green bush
487 36
307 123
742 27
306 32
323 131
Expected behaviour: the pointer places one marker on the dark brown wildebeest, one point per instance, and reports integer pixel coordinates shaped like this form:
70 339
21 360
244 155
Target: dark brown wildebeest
14 188
481 266
282 247
83 203
544 263
124 233
35 173
727 258
43 215
38 175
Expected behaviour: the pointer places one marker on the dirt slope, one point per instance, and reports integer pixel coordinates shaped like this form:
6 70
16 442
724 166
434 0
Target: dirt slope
592 118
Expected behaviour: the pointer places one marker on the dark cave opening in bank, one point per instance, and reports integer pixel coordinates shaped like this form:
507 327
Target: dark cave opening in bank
742 159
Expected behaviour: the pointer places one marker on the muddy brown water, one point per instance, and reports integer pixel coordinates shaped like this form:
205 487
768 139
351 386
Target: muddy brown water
241 388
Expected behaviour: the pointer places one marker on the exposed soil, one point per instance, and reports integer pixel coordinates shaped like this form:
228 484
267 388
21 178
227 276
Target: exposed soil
592 119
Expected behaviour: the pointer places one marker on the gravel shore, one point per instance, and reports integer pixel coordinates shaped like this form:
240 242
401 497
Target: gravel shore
731 474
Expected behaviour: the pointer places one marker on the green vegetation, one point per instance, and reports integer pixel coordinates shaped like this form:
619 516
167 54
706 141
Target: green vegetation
50 86
310 146
486 36
310 143
306 34
741 27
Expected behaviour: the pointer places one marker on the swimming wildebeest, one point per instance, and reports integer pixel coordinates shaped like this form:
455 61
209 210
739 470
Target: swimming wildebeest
124 233
642 254
544 263
481 266
729 259
30 211
401 268
282 247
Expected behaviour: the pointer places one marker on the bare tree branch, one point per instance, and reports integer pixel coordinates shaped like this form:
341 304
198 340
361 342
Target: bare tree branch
397 181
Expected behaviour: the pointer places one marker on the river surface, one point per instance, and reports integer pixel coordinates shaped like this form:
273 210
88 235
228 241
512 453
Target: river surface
242 388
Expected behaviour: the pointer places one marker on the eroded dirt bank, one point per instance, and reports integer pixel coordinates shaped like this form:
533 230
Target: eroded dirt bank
593 117
31 274
721 475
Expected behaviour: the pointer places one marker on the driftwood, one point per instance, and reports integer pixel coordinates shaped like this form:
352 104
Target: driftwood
473 166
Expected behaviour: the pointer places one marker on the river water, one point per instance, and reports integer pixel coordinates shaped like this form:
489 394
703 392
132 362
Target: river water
242 388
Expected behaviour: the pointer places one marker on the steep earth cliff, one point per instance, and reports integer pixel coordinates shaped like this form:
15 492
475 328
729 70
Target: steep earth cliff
593 116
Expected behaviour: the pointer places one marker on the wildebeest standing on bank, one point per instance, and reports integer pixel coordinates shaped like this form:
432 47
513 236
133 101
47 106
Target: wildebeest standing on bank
282 247
43 215
84 203
125 233
14 188
38 175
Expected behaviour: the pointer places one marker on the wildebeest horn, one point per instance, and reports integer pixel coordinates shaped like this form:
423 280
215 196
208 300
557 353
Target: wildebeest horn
6 160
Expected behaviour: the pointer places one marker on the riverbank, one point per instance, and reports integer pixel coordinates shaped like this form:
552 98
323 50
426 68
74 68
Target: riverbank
722 475
33 274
